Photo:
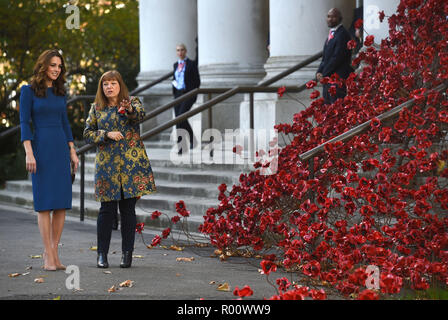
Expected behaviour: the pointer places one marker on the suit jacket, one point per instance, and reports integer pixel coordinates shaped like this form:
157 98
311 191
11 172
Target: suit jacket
336 57
192 78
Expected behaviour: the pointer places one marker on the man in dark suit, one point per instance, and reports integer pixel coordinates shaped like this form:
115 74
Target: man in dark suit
185 78
336 56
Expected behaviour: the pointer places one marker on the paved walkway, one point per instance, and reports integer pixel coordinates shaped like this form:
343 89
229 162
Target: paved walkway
156 273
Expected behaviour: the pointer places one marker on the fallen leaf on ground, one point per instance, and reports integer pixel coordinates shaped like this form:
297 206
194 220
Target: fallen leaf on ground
212 282
223 287
201 245
107 272
36 256
26 273
93 248
112 289
14 275
127 283
185 259
178 274
57 298
176 248
39 280
137 256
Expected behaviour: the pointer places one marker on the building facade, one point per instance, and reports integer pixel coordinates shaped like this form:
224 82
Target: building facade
230 40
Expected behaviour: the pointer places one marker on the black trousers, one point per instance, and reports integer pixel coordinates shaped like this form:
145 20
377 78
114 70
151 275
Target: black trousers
128 223
328 98
180 109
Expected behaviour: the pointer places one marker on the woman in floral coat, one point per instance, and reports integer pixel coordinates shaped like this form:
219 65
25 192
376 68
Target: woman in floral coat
122 169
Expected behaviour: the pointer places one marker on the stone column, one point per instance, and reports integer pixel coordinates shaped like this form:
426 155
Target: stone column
372 24
233 37
163 24
298 30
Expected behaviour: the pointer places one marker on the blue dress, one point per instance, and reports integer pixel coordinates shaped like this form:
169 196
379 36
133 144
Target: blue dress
52 185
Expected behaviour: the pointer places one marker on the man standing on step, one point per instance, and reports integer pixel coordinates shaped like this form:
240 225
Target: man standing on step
336 57
185 78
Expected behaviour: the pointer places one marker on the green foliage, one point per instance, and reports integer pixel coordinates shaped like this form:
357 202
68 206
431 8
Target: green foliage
12 161
107 38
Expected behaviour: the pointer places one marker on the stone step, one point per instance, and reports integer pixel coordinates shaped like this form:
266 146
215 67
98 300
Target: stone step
162 202
177 178
91 209
158 144
207 177
194 160
188 189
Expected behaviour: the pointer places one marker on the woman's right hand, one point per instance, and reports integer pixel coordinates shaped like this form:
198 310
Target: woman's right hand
115 135
30 162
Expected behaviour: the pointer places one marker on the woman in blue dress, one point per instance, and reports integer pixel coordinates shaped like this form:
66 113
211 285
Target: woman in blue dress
49 150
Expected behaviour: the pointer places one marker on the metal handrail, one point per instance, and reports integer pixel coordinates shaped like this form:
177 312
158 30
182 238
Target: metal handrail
225 93
308 155
15 129
83 98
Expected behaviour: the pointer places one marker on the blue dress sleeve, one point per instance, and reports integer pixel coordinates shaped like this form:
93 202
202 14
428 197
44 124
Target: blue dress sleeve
65 123
26 105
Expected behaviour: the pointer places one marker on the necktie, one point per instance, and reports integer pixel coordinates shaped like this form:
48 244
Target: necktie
330 35
180 66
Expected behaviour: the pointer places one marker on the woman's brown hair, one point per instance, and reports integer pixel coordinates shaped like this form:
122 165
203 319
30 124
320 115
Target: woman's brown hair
100 98
39 80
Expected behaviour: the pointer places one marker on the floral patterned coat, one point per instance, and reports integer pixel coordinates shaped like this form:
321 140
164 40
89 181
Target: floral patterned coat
119 165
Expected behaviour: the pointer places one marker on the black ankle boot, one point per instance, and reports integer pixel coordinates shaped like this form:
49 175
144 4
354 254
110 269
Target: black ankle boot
126 259
101 261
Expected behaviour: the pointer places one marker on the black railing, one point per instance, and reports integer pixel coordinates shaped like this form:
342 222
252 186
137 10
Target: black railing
308 155
224 93
85 98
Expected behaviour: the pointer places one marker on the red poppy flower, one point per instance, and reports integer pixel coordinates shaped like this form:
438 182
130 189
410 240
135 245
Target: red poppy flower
245 292
368 295
166 233
155 214
369 40
315 94
281 91
222 187
156 240
139 227
381 15
351 45
312 269
375 123
318 294
283 284
181 209
358 24
268 266
311 84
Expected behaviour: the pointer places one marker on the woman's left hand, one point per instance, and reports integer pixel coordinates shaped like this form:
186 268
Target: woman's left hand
74 158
